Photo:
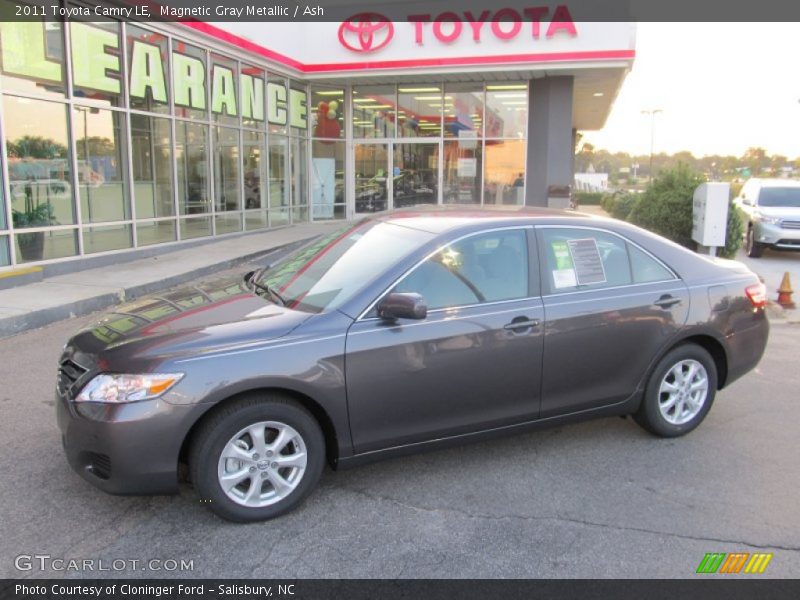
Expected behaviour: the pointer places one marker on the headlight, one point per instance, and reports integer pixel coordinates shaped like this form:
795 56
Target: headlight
768 220
127 388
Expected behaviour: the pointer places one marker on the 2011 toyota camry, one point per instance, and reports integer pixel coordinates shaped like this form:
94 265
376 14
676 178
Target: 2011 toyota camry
400 333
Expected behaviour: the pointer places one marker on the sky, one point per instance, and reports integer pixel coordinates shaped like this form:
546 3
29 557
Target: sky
723 87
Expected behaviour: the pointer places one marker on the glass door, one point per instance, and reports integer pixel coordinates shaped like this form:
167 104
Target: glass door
372 177
415 173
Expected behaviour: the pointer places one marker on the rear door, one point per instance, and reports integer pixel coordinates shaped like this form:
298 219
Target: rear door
610 307
473 363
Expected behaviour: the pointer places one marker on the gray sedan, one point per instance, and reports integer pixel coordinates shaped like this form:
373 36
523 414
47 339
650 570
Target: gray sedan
398 334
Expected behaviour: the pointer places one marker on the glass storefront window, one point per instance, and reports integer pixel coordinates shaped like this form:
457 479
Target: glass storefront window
327 179
278 188
101 151
191 147
155 232
224 86
228 223
32 54
195 227
148 66
419 111
227 195
504 179
506 110
254 165
256 219
327 113
151 143
277 104
298 108
298 159
5 258
374 110
416 174
252 86
463 169
372 177
103 239
190 87
96 62
463 111
46 245
39 167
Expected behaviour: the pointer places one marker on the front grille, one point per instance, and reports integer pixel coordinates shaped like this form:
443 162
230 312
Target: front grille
790 224
98 464
68 373
792 243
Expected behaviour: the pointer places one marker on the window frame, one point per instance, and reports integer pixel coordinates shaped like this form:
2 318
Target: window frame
534 289
545 285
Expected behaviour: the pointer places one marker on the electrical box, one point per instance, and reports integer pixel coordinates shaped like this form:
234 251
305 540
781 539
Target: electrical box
710 214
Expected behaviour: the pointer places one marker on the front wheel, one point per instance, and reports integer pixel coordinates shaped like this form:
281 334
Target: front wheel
257 459
679 393
754 248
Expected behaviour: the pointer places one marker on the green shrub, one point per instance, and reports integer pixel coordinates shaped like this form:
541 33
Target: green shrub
733 235
588 198
623 205
607 203
666 209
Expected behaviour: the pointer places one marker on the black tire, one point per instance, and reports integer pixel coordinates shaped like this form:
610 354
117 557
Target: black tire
650 416
224 424
754 249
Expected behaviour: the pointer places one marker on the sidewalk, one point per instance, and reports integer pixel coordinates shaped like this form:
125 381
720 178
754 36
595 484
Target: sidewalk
74 294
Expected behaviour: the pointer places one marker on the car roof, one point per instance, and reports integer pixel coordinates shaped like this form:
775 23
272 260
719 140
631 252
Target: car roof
777 182
441 219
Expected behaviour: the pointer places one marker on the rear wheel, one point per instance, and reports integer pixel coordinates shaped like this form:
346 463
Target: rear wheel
257 459
680 392
754 248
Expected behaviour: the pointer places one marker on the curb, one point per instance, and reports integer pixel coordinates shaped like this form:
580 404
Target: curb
10 326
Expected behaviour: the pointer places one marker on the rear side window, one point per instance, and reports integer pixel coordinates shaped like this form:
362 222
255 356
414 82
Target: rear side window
580 259
645 268
487 267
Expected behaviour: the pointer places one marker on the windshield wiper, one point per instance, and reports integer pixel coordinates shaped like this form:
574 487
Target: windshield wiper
251 279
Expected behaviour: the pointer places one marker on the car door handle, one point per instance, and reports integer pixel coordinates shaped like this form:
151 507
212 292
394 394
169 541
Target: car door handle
521 323
667 301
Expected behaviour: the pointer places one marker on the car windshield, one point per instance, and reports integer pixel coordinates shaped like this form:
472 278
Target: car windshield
779 196
328 272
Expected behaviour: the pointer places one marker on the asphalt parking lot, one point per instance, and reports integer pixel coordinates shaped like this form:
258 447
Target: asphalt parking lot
598 499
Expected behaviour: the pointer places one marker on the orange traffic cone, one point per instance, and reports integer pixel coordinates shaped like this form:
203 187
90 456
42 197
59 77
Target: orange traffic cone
785 292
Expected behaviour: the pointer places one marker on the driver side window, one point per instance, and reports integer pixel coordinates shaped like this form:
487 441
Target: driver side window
487 267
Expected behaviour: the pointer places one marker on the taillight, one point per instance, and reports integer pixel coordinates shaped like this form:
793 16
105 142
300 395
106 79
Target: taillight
757 293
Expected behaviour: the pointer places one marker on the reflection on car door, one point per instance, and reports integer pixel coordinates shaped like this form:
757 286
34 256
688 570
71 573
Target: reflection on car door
601 336
473 363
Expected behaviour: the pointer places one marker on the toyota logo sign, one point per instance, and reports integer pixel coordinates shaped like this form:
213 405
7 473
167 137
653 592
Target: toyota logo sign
366 32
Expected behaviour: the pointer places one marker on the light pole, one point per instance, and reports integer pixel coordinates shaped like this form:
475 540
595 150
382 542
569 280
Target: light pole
652 112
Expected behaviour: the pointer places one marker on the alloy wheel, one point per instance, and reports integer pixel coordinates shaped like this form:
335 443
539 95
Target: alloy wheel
262 464
683 391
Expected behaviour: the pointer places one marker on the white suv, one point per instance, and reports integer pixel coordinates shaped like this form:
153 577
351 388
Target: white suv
772 211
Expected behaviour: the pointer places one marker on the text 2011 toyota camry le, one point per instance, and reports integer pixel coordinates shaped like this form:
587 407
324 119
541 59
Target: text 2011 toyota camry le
400 333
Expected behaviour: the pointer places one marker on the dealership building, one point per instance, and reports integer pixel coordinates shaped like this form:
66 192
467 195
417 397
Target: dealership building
117 136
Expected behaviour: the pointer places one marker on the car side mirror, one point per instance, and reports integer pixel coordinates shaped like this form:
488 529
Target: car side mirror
747 202
403 306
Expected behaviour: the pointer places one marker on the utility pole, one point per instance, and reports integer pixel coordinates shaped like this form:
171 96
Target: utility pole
652 112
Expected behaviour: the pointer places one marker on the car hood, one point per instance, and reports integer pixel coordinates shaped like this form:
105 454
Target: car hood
218 313
780 212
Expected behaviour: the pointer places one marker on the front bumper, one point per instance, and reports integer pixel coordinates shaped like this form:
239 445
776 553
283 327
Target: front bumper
787 239
129 449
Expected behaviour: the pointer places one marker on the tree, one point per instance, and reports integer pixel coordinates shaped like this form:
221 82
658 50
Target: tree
36 146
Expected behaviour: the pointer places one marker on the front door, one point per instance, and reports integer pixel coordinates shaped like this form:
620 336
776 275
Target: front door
415 173
473 363
609 309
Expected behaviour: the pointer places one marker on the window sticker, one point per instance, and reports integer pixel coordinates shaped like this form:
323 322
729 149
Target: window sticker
563 278
564 273
588 266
